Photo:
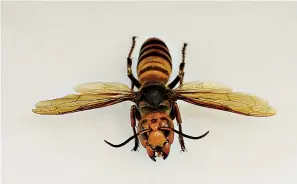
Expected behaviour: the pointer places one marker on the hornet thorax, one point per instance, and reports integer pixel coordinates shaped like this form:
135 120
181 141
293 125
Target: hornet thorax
154 96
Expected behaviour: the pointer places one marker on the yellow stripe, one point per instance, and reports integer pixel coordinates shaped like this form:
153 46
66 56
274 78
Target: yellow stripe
153 61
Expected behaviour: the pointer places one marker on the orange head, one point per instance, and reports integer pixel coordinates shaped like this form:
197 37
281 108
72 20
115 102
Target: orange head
156 134
158 139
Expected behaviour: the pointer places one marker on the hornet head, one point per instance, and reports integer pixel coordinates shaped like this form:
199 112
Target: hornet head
156 134
159 138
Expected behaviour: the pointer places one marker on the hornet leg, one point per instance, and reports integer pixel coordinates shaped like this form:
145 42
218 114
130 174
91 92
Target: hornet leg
180 77
133 125
134 81
179 122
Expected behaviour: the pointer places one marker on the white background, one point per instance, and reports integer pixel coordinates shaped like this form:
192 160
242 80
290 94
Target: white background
48 48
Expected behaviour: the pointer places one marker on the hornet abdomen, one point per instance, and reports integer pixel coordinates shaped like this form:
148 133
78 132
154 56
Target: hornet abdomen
154 62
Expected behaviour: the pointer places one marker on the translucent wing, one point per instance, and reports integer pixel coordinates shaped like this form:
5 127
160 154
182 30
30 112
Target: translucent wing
91 96
222 98
198 86
102 88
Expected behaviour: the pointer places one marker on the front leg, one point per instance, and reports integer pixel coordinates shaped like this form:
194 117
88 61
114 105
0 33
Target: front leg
179 122
133 125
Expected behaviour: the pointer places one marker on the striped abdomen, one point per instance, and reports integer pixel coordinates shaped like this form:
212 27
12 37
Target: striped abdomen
154 62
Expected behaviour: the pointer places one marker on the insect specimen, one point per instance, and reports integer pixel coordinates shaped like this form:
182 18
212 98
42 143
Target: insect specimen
155 100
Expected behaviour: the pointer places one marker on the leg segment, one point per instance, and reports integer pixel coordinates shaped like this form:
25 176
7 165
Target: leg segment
134 81
133 125
180 77
179 122
182 65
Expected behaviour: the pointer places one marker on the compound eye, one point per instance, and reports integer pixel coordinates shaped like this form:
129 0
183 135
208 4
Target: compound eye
166 132
165 123
143 126
145 136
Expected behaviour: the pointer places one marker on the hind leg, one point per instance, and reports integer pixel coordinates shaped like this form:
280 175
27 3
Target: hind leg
180 77
134 81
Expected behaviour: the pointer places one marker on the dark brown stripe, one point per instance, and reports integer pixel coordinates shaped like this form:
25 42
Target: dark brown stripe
154 53
153 68
153 41
158 47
